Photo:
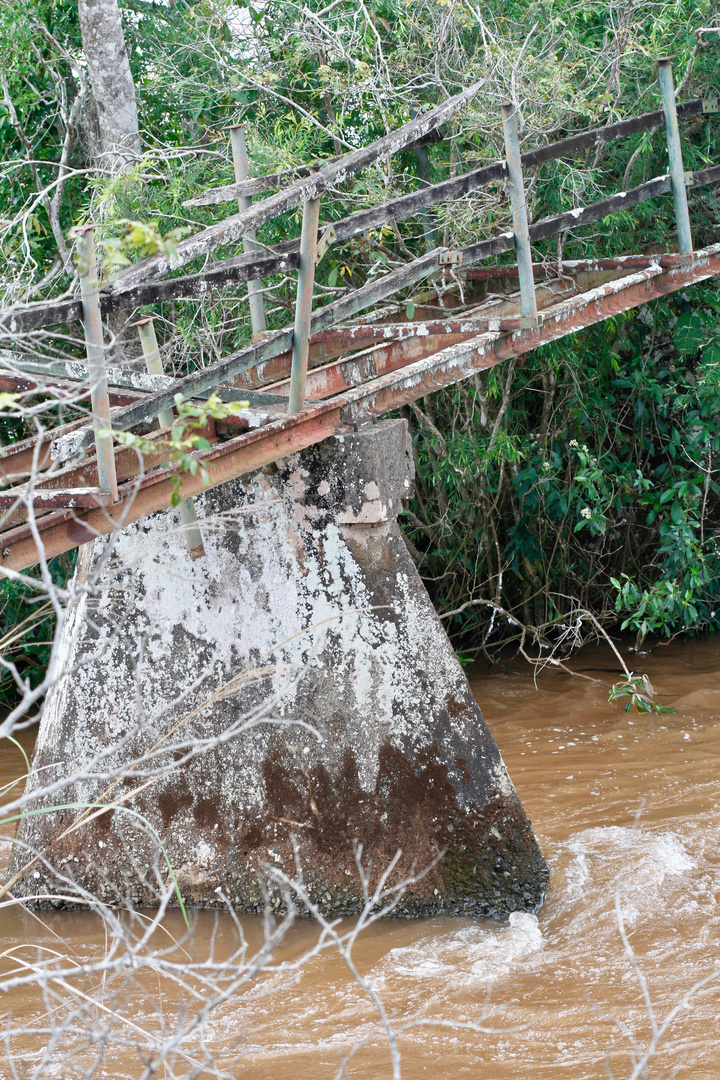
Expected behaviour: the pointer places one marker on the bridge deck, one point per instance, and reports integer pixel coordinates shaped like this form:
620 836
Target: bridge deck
359 366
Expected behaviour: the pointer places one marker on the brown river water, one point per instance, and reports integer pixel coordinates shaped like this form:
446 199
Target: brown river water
556 990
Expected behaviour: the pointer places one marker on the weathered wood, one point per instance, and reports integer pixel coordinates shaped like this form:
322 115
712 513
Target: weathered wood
582 215
232 228
451 189
259 185
276 342
42 384
21 320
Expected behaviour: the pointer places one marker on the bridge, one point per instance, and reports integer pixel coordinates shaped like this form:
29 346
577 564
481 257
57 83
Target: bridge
403 758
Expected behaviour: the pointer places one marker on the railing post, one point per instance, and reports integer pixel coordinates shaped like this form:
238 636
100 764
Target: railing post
677 172
97 373
303 305
242 172
166 418
523 252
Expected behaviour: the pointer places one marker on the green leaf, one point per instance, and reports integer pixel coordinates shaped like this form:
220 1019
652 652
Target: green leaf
711 353
410 310
689 334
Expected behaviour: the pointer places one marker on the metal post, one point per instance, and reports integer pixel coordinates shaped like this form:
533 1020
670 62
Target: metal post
677 172
166 417
528 303
303 305
242 171
95 346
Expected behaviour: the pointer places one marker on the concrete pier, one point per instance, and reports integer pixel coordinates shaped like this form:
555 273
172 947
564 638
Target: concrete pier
292 690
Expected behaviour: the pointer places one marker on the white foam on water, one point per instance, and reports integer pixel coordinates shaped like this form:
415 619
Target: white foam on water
473 954
641 862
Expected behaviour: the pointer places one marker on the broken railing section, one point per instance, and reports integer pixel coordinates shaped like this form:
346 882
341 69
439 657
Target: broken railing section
186 508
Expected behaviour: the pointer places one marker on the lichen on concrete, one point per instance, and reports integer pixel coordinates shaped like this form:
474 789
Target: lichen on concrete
301 670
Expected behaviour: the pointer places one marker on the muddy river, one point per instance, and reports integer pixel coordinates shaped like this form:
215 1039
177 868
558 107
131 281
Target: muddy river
547 995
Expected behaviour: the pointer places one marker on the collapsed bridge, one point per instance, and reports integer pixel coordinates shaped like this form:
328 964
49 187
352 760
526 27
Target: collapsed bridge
375 737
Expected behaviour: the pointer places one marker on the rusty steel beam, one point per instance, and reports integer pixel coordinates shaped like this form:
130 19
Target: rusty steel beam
82 477
69 498
358 369
20 459
570 268
63 530
337 341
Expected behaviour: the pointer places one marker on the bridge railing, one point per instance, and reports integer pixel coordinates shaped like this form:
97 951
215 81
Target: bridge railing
136 286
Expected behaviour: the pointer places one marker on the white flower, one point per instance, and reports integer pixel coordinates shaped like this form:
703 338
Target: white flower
586 512
573 442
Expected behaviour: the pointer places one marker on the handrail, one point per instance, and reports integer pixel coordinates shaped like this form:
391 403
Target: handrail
282 257
242 268
381 288
236 226
570 145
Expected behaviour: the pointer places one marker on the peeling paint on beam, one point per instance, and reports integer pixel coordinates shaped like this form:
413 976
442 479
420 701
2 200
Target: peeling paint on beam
261 447
241 269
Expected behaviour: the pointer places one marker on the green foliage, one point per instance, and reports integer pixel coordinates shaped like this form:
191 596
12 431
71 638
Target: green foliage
26 629
185 438
603 489
138 239
639 693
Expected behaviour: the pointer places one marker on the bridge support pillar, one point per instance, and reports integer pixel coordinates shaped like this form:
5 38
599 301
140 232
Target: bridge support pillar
291 693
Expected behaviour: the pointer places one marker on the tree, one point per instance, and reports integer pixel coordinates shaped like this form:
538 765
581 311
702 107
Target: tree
111 82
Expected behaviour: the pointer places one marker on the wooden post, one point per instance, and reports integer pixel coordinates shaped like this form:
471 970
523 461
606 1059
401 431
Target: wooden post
97 372
519 209
166 418
242 172
303 305
677 172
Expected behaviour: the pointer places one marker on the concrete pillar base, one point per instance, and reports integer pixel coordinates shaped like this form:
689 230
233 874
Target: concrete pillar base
364 727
